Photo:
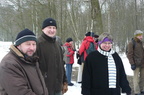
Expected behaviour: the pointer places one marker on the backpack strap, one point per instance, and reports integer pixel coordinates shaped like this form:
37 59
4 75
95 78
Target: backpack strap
134 43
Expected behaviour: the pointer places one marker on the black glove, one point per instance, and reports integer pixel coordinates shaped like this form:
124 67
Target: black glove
133 66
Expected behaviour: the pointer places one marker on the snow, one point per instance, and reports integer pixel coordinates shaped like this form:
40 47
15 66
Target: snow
76 89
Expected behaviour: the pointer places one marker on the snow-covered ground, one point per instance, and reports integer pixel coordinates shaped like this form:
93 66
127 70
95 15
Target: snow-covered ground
76 89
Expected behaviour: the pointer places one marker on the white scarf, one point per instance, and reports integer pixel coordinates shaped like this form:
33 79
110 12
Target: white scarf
111 67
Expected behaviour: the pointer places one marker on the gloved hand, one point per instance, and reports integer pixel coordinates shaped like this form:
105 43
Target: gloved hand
133 66
65 88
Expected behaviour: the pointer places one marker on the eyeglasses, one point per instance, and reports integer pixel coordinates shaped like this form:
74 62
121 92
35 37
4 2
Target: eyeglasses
107 43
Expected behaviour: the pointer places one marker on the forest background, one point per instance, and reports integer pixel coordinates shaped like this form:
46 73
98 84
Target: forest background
74 18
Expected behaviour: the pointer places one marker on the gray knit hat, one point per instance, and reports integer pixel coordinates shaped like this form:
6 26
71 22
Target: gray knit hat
138 32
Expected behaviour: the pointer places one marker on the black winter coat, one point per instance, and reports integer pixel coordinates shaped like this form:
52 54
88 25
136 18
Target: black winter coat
51 63
95 76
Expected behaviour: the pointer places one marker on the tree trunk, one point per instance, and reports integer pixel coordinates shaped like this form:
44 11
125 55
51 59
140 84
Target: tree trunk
96 17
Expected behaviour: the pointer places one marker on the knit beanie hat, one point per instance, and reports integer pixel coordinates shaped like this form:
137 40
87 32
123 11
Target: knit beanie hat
49 22
69 40
90 34
96 36
138 33
23 36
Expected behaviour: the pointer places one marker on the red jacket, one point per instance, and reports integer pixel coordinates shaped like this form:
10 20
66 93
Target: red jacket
70 53
85 44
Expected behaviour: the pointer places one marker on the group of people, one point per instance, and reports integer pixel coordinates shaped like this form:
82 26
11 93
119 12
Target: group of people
36 66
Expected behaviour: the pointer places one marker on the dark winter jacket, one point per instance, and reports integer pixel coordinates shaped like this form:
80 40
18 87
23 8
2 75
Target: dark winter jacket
136 54
69 55
20 77
85 45
51 63
95 76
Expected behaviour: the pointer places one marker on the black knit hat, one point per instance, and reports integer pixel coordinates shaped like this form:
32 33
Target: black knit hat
23 36
96 36
90 34
69 40
49 22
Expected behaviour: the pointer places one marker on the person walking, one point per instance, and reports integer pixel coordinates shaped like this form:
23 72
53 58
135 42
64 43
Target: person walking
51 58
69 58
19 69
82 53
103 72
135 55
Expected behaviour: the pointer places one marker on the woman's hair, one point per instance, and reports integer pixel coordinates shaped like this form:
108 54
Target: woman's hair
105 35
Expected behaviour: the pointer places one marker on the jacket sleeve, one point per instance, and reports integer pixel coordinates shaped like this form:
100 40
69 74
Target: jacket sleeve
64 75
123 82
70 52
86 78
13 81
130 53
82 48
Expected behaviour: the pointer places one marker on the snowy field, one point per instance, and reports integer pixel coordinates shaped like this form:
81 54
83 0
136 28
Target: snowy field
72 90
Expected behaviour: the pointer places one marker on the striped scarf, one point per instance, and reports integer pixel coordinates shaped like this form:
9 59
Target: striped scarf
111 67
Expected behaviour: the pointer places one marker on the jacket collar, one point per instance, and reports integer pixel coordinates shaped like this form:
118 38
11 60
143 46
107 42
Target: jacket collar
67 44
50 39
89 38
137 40
26 59
16 51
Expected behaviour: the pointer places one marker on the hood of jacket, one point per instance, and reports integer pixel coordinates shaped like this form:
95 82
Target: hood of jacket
89 39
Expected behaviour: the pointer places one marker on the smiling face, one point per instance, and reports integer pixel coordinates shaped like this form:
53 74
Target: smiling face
50 31
106 46
28 47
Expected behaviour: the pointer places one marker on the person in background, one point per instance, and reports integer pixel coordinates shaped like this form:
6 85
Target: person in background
103 72
58 39
89 38
51 59
135 55
19 70
69 58
96 40
96 37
